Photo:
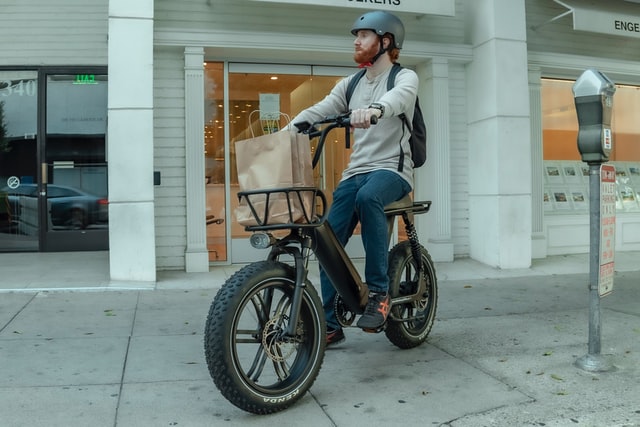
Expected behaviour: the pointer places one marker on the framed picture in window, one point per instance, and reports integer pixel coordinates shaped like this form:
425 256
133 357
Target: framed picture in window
584 170
628 197
634 173
579 198
553 172
572 173
547 200
621 173
561 199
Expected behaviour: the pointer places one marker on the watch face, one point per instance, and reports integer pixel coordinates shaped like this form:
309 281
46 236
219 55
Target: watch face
378 107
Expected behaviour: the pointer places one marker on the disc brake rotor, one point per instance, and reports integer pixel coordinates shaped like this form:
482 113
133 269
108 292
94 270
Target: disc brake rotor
275 345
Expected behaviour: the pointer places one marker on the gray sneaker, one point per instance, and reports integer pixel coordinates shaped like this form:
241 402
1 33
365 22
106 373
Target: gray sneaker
376 311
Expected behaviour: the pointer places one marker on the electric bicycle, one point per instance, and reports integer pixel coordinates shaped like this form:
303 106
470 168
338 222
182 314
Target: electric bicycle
265 334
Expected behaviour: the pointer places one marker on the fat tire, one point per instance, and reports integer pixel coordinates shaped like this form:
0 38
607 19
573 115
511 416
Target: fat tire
224 352
402 271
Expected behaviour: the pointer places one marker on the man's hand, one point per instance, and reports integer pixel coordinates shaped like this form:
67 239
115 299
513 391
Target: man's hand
361 118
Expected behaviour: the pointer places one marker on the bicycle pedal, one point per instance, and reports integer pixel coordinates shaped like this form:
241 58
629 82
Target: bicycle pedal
375 330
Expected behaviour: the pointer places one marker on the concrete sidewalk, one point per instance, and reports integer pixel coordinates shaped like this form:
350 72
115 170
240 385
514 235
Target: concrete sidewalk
501 353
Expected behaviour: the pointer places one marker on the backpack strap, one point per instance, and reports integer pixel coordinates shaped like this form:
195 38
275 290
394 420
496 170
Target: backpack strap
390 83
353 83
350 88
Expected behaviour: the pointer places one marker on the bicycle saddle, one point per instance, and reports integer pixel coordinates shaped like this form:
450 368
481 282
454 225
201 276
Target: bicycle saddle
403 203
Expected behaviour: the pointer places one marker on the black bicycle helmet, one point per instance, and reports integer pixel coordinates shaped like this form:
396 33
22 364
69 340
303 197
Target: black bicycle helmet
381 23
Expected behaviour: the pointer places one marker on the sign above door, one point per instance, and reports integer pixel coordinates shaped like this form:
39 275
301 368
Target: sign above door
431 7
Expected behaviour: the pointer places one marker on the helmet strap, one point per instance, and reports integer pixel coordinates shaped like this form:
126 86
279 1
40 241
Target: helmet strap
381 52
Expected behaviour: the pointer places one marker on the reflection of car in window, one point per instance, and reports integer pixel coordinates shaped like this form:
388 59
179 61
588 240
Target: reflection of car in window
67 206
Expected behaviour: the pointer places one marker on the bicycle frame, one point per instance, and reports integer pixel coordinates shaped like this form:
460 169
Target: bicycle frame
315 235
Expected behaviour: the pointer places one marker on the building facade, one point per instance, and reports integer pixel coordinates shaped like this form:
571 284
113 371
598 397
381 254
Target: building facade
147 100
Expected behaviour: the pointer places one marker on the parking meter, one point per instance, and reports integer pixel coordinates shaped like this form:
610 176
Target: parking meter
593 93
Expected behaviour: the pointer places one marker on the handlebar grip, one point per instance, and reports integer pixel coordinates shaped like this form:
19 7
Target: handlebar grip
374 120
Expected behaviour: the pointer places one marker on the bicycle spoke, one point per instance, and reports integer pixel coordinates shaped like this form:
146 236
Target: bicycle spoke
257 367
281 368
262 305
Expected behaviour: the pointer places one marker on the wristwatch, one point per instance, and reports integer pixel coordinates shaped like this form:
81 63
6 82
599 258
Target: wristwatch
378 106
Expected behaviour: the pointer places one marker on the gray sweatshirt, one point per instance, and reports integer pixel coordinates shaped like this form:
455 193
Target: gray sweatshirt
379 146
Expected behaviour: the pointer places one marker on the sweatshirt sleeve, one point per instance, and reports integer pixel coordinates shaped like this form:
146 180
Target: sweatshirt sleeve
402 97
333 103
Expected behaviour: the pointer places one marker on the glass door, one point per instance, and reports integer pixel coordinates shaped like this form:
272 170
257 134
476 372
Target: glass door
273 89
74 203
19 219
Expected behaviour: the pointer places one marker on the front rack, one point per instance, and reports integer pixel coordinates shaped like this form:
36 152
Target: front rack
306 207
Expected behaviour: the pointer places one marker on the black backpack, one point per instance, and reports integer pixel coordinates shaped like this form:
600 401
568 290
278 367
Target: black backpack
418 129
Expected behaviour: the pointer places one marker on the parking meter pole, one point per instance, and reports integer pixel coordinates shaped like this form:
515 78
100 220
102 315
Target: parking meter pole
593 93
594 259
593 361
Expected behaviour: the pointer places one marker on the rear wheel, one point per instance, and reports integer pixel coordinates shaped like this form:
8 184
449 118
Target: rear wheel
256 366
410 323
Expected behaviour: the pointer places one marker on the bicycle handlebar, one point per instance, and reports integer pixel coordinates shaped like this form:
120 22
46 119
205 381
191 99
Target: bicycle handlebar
336 121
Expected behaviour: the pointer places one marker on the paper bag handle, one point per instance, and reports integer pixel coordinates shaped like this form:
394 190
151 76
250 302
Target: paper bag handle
269 121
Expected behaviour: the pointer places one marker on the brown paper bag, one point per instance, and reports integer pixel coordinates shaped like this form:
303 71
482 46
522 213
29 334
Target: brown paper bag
277 160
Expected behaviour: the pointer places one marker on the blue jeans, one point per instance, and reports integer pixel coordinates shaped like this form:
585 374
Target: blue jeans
363 198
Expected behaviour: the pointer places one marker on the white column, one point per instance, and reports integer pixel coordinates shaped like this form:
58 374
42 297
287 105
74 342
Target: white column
196 254
499 135
538 236
132 253
433 180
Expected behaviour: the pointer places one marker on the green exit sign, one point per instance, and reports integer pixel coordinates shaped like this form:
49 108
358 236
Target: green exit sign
85 79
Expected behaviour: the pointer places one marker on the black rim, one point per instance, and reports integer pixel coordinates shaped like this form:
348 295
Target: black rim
265 361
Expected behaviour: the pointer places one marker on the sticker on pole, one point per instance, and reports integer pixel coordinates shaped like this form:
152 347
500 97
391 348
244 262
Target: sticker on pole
607 228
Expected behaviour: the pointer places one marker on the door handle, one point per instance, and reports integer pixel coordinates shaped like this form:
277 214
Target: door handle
43 170
45 179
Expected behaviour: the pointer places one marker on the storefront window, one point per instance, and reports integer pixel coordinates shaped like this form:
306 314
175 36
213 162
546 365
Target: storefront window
566 176
19 219
560 123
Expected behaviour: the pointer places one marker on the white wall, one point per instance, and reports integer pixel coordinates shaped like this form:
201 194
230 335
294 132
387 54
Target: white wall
459 161
499 136
169 157
53 32
132 254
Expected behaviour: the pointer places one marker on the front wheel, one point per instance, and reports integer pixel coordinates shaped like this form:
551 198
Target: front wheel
256 366
410 323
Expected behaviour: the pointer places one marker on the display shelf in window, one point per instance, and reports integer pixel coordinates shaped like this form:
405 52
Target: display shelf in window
566 188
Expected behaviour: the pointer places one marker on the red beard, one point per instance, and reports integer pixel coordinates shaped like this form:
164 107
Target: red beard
364 56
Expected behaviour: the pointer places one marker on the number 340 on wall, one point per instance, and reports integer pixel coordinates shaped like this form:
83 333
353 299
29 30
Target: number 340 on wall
18 87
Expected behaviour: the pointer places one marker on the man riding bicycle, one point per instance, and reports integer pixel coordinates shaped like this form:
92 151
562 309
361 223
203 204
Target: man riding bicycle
380 169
